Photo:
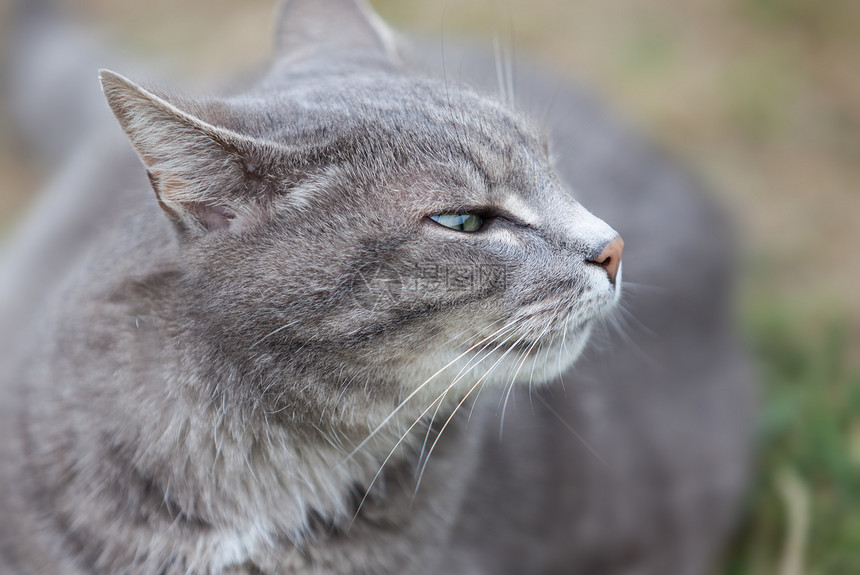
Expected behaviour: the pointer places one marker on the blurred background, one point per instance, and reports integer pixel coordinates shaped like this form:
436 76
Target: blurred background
760 97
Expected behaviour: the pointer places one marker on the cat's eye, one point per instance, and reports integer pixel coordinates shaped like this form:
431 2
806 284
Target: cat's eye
460 222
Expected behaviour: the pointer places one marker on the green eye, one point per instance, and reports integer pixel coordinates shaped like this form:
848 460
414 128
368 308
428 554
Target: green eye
460 222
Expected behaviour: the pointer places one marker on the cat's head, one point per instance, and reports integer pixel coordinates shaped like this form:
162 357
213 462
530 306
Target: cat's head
350 231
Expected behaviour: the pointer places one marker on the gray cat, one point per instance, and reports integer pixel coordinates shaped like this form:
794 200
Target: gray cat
333 339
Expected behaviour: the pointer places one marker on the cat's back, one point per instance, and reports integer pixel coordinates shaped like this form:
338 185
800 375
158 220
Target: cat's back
56 276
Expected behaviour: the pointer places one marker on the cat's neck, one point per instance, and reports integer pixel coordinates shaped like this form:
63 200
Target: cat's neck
261 479
253 466
235 486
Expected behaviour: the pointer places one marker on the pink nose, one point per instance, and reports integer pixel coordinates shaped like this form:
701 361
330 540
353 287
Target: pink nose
610 257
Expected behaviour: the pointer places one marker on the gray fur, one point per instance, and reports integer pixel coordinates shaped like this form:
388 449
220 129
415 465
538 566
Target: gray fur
202 384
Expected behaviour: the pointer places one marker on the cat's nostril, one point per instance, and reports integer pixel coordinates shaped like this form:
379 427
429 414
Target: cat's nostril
610 257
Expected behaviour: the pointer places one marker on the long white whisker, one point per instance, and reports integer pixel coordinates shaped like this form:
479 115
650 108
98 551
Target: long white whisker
471 337
653 288
572 430
511 386
532 374
468 393
420 387
630 342
563 347
509 63
630 316
409 429
500 74
430 427
460 375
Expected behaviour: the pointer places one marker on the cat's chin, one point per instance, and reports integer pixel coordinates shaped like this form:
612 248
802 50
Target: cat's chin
542 361
526 362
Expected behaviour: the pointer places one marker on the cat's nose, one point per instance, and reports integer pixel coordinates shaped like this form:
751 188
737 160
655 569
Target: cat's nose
609 257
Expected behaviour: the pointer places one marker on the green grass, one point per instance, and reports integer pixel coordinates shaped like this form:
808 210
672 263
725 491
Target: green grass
808 476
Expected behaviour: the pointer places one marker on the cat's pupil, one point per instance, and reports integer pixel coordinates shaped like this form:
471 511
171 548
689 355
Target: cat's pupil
460 222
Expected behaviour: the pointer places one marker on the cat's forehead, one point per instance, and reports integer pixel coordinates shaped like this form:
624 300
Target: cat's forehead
391 112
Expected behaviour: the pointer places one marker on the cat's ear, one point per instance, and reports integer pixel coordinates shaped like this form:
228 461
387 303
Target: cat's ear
202 174
311 27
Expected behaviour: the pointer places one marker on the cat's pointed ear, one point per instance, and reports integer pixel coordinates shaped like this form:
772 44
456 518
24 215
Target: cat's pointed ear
310 27
201 173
